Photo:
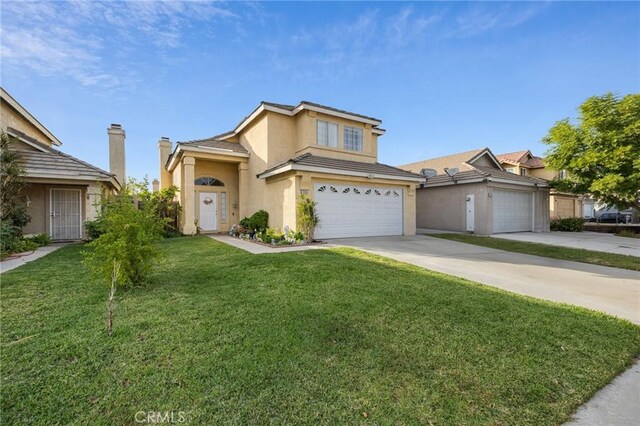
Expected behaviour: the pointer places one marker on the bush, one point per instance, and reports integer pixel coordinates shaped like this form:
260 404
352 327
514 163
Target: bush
41 239
569 224
94 229
127 240
259 221
307 216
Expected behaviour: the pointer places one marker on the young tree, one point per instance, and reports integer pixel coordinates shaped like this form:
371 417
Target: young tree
128 233
601 152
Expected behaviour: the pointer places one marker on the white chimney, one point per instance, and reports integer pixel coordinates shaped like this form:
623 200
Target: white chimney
116 152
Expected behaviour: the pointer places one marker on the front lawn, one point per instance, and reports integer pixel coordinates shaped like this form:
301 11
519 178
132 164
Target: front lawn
315 337
546 250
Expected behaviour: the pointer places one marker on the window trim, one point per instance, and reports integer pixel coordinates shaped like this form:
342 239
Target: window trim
354 131
213 184
328 125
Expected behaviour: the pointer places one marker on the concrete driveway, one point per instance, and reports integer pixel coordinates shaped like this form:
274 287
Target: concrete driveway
610 290
597 241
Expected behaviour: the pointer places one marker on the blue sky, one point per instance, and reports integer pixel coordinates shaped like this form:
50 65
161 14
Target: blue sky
443 77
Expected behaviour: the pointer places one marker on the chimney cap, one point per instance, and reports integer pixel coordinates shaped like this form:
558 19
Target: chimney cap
164 138
116 126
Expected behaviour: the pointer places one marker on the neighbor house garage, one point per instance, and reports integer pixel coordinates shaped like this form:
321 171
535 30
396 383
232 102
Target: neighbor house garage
471 192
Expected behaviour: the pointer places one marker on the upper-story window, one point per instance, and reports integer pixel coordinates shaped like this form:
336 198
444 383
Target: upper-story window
511 169
327 134
523 172
352 138
562 174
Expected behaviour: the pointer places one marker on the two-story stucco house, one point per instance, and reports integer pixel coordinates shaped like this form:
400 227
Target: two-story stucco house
279 152
524 163
62 192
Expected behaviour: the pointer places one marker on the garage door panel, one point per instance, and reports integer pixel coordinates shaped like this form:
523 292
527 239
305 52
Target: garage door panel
512 211
357 211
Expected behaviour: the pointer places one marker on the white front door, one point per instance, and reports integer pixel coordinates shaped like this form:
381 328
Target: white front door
471 213
208 220
66 214
512 211
357 211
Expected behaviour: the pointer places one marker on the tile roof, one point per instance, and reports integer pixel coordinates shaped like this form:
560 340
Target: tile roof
342 111
215 143
467 169
345 165
533 162
513 157
50 162
458 160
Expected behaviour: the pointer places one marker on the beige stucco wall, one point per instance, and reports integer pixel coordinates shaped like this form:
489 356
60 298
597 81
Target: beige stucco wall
9 117
306 123
39 204
565 205
254 139
444 207
543 173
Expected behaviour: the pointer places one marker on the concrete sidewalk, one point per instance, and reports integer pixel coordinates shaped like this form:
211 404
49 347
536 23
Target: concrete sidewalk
598 241
16 261
259 248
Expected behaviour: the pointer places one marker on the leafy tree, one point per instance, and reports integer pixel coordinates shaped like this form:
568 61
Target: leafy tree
307 216
13 208
601 152
129 230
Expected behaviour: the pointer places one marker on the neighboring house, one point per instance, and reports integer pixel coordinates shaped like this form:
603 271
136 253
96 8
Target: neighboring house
279 152
62 191
524 163
477 195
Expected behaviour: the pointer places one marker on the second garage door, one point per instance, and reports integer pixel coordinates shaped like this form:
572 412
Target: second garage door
357 211
512 211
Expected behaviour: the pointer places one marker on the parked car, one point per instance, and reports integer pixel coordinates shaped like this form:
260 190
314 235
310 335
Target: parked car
611 218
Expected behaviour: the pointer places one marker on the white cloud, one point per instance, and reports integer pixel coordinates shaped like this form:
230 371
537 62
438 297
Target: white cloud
75 38
481 18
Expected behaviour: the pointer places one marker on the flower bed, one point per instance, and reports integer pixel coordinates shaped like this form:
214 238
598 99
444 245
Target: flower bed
272 237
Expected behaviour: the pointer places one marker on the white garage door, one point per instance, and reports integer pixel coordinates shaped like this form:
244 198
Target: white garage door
357 211
512 211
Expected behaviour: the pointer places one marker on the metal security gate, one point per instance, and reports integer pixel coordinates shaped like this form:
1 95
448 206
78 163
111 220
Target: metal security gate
66 214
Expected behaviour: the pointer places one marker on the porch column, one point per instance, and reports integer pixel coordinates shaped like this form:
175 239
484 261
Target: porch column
243 190
189 208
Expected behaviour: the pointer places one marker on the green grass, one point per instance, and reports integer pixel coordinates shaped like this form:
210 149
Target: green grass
546 250
314 337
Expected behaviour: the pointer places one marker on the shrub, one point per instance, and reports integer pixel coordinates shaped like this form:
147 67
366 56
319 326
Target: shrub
307 216
13 207
127 240
259 221
93 228
569 224
41 239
